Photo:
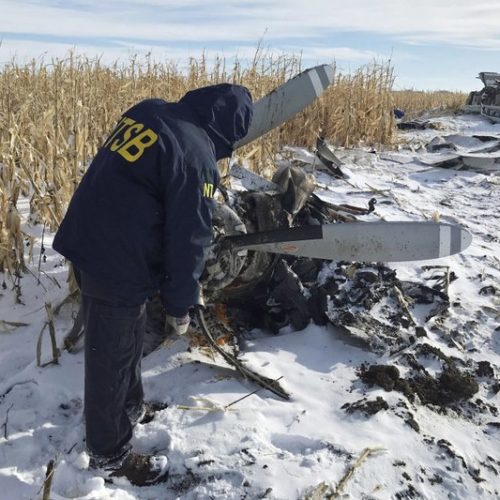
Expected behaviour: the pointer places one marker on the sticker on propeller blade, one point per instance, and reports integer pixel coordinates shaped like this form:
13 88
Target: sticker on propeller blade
288 248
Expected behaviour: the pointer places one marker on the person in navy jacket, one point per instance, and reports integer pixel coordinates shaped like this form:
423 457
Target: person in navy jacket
139 222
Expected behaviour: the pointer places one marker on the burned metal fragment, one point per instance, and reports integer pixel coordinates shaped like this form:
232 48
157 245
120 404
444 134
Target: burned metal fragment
295 187
373 304
328 158
287 292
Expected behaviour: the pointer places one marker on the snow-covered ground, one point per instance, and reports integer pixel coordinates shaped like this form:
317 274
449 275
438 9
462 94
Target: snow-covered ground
263 447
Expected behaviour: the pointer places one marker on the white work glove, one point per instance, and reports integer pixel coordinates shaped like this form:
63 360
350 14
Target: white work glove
178 325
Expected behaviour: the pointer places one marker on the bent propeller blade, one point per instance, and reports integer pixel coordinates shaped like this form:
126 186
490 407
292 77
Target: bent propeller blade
362 241
287 100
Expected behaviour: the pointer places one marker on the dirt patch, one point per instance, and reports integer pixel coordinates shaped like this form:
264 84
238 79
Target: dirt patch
368 407
484 369
385 376
450 387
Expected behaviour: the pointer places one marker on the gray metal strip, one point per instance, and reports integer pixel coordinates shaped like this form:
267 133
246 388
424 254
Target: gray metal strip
324 78
316 83
444 241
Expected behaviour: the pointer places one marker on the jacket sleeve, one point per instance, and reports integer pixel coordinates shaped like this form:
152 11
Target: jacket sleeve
187 233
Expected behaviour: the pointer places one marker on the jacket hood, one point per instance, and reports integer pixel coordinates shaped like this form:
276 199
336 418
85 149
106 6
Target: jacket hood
224 111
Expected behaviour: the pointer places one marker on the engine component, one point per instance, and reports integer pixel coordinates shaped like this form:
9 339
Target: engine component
223 264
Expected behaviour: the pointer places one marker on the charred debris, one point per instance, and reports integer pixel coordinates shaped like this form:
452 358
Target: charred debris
268 291
370 306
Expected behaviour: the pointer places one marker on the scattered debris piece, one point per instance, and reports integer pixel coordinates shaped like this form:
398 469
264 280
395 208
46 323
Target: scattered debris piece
328 158
413 125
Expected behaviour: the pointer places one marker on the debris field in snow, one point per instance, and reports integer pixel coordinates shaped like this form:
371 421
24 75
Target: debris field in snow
428 413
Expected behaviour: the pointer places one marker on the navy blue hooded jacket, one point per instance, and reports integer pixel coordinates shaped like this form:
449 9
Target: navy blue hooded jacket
141 217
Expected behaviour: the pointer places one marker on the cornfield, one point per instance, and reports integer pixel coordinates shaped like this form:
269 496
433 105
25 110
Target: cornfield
54 116
414 102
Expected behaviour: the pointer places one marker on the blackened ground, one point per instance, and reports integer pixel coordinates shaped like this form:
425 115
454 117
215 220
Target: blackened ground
450 387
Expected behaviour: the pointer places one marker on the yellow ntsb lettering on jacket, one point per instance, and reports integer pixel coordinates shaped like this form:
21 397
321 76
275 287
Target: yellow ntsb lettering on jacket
208 190
130 139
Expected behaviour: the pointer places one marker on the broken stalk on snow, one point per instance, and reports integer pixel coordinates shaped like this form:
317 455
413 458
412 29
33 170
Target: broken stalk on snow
4 425
74 295
324 491
53 342
209 406
42 251
47 484
9 389
366 453
441 280
39 283
72 339
403 303
265 382
200 408
447 280
381 192
7 326
248 395
216 407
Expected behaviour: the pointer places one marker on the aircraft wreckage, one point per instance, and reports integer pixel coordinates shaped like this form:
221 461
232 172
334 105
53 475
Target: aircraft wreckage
486 101
479 152
283 256
246 289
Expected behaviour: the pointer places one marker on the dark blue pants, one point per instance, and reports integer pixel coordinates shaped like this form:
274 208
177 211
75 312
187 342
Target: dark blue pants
114 334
